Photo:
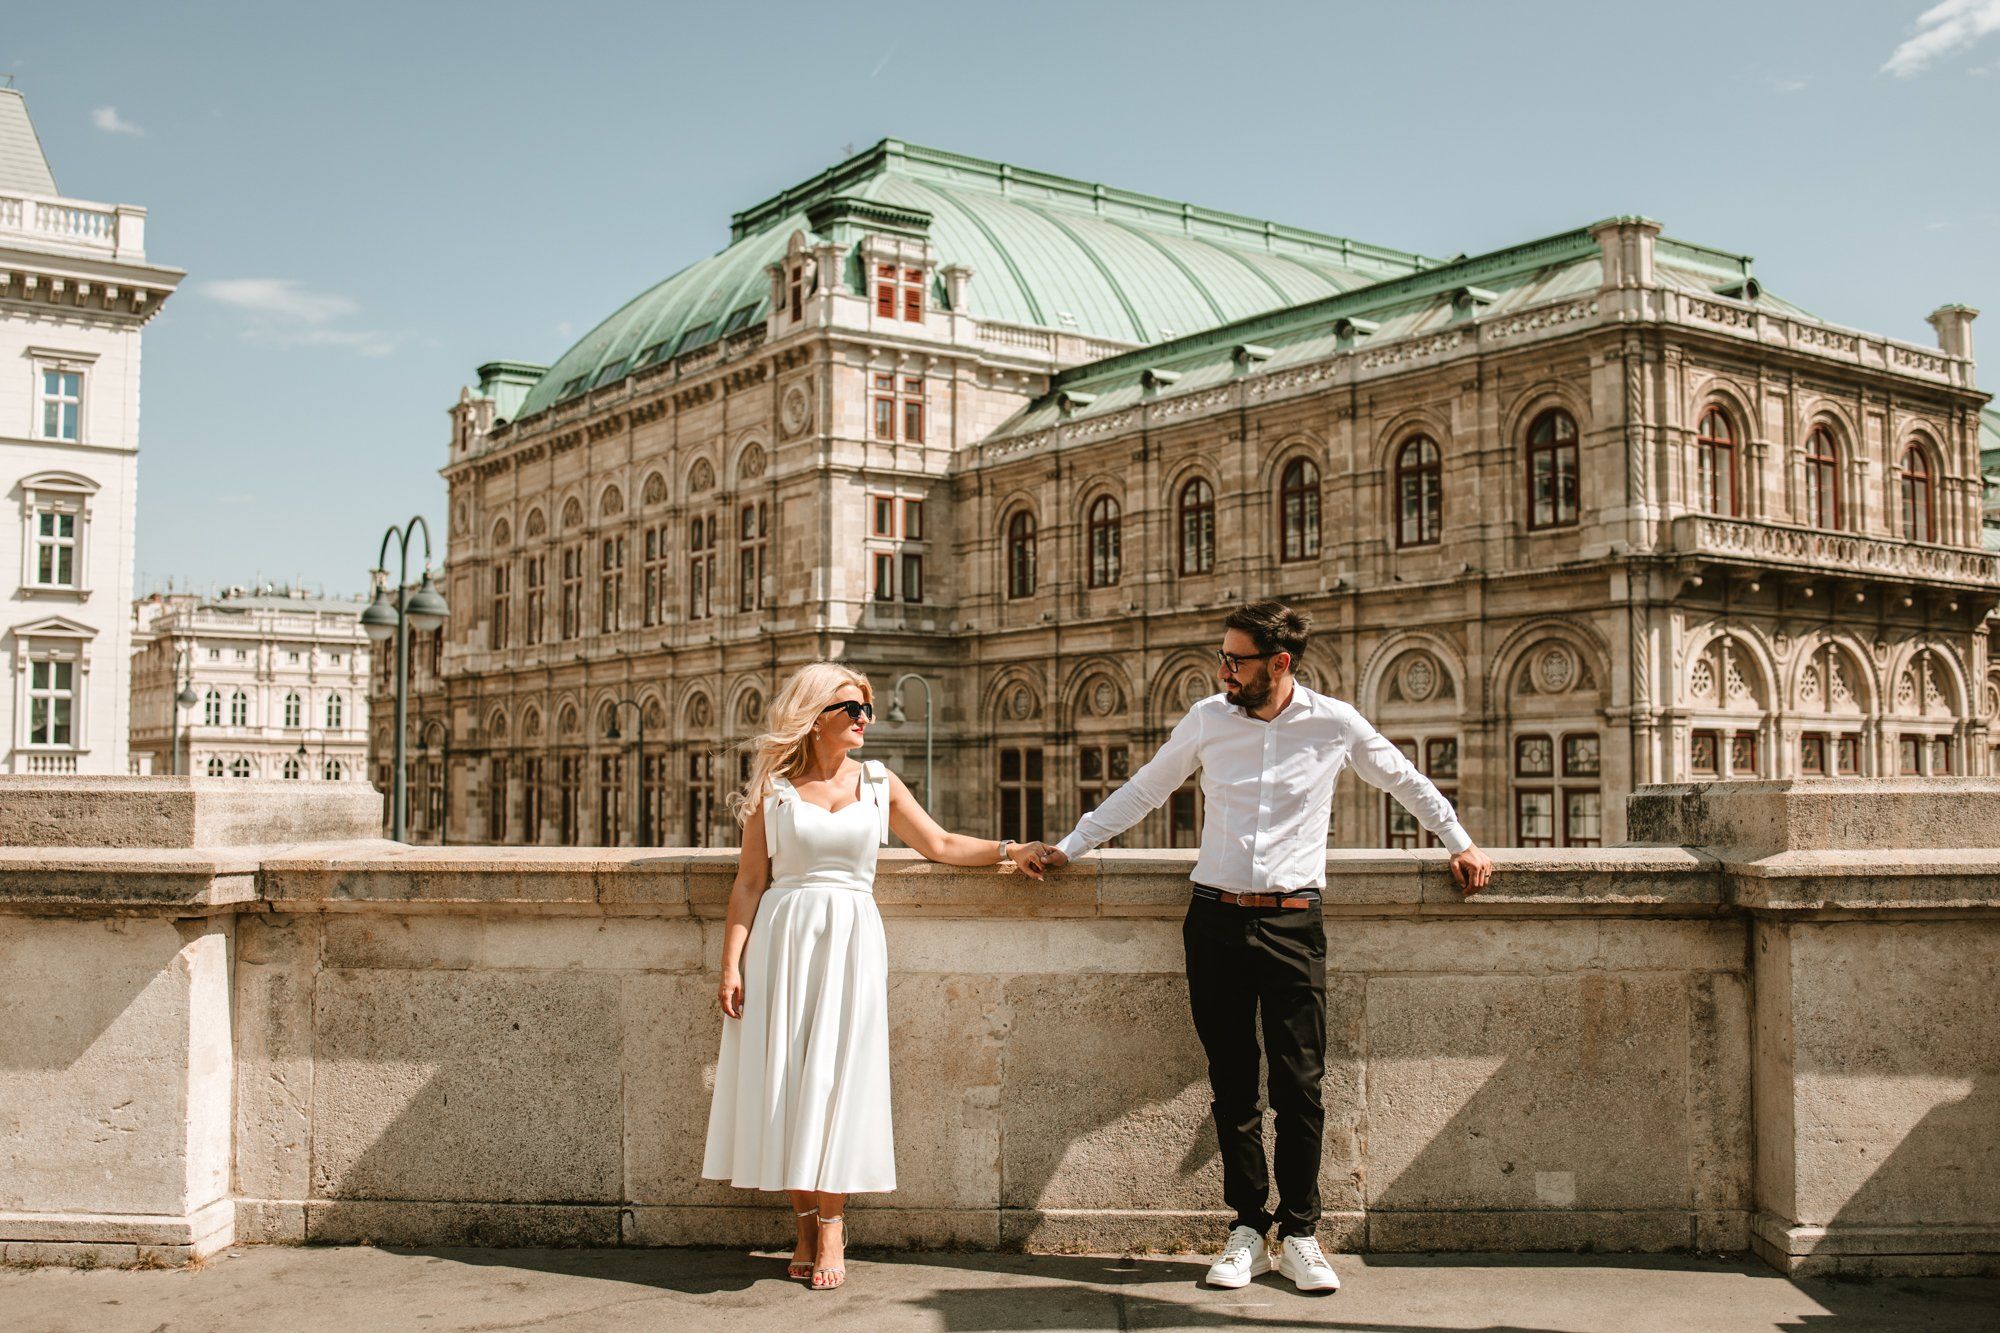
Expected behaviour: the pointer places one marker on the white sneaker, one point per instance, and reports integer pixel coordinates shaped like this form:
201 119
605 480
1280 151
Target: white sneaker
1299 1259
1244 1256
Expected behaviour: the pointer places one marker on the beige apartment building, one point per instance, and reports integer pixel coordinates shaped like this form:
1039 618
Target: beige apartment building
278 679
1587 512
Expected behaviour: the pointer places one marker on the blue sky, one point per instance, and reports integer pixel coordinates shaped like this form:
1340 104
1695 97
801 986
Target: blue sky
370 200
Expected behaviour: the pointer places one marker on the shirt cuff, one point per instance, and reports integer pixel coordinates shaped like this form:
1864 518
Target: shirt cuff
1073 846
1454 837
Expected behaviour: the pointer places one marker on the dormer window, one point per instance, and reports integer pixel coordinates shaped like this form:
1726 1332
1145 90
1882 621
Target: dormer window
899 289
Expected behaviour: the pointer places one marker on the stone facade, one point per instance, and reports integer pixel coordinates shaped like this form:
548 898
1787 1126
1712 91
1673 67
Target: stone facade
75 292
1586 513
273 673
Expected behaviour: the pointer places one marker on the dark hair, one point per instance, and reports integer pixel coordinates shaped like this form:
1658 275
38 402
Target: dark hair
1275 627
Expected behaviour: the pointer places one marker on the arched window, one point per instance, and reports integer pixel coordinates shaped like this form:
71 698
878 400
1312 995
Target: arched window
1715 464
1552 470
1822 480
1917 524
334 711
294 710
1419 493
1298 510
1021 554
1104 533
332 772
211 710
239 709
240 769
215 766
294 770
1197 527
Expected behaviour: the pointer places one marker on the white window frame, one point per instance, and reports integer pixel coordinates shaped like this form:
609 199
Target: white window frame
52 641
56 493
59 399
59 361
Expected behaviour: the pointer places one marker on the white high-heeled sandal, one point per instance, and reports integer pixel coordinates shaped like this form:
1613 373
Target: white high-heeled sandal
802 1269
839 1275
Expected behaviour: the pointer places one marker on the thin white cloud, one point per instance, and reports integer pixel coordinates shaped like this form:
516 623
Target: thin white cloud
1789 85
1942 30
106 118
282 313
280 298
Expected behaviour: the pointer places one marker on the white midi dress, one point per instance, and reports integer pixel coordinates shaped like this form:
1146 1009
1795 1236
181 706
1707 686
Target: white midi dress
802 1084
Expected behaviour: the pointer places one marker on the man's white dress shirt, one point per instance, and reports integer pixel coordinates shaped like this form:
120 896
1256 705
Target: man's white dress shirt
1268 787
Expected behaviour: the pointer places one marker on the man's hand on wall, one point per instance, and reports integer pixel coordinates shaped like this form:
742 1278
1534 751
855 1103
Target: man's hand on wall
1471 870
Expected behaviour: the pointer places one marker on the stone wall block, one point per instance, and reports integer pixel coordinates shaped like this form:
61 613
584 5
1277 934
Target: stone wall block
1067 1145
1560 1093
407 1061
672 1030
277 964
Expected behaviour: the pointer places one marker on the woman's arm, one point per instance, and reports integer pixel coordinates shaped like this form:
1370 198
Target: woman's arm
753 876
913 824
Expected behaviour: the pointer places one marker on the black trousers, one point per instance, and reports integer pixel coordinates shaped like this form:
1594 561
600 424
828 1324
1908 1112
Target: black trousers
1252 967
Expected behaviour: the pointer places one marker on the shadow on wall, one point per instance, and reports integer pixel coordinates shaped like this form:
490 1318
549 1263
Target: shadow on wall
1594 1112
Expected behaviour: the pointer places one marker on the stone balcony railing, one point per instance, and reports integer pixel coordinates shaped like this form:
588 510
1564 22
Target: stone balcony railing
229 1014
1835 553
115 231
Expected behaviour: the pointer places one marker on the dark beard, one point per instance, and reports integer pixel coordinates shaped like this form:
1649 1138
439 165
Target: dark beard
1251 697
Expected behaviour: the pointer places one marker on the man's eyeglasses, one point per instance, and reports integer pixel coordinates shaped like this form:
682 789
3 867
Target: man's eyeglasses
1234 661
854 708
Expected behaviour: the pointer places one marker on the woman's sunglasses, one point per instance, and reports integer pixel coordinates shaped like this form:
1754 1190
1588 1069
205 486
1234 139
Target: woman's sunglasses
854 708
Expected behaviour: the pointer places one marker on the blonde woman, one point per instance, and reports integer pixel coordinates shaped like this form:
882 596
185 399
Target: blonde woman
802 1085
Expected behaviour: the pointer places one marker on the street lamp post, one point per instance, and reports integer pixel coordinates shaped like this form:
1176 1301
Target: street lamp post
897 716
423 610
186 698
639 830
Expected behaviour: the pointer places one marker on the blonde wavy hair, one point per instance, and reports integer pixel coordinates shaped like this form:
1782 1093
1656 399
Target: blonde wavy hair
782 751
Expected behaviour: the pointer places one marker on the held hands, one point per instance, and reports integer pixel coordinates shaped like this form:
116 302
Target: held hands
730 992
1471 870
1035 858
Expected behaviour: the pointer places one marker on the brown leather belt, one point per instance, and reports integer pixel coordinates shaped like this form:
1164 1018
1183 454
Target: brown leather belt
1262 900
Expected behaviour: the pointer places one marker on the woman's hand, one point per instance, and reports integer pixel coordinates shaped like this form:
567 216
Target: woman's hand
730 992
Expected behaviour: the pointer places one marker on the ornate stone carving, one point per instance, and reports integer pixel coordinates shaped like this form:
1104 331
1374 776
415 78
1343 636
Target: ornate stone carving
699 712
795 410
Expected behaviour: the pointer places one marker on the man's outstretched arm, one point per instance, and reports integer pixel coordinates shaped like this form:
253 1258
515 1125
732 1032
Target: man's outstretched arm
1382 764
1146 790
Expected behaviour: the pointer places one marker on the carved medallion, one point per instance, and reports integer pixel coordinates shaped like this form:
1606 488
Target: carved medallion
1419 679
1555 670
795 410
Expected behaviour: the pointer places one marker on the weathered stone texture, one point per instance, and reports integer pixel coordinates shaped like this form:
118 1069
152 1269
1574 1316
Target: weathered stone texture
408 1062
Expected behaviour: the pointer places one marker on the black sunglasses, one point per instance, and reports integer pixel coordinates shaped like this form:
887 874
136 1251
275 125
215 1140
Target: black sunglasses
854 708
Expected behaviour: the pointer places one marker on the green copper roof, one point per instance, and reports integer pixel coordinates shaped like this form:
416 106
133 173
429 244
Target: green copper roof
1565 266
1044 250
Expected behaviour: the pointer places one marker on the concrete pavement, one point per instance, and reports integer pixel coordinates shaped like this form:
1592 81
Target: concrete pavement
350 1288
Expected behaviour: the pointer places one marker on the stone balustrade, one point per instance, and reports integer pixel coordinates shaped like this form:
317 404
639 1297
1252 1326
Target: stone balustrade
1771 1026
1833 553
108 229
